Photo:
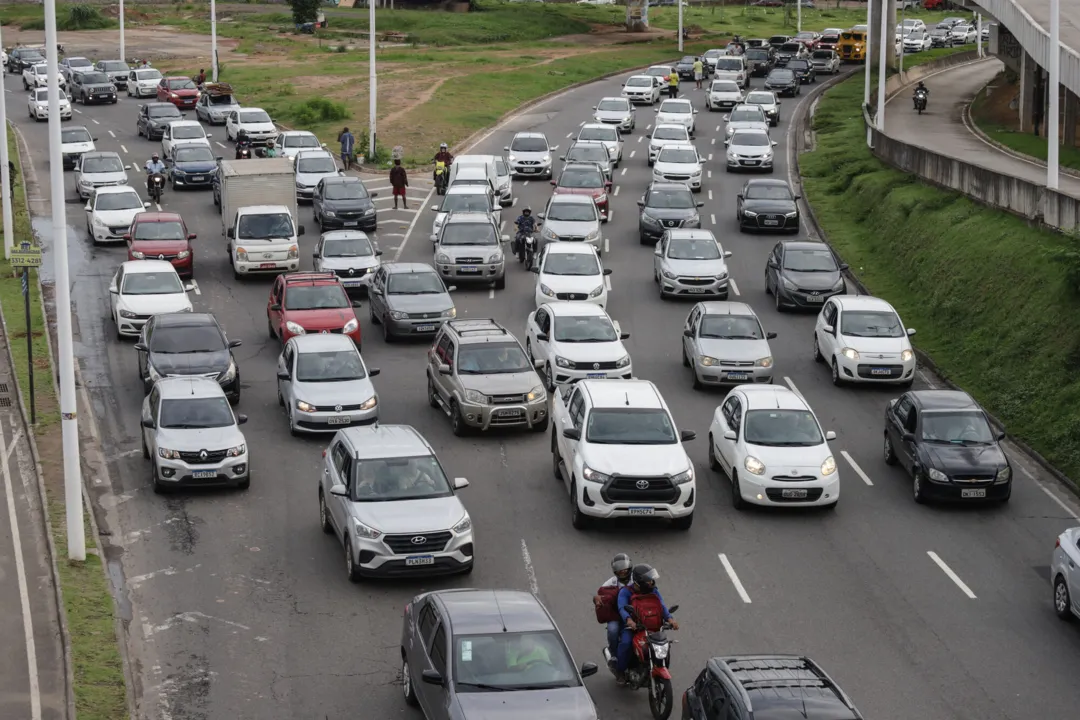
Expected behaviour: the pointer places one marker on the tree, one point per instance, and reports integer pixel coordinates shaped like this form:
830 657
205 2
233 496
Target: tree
305 11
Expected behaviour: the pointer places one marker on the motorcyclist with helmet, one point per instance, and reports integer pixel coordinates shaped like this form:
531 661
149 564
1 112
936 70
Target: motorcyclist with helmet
920 88
243 142
643 582
445 157
154 166
608 594
526 226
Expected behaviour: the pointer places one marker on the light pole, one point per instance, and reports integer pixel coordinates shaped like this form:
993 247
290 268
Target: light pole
978 30
798 15
900 60
76 535
5 178
866 86
882 64
123 49
680 24
1052 139
372 80
213 40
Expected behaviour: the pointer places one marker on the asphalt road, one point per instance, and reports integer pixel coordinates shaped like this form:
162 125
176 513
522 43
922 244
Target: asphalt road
241 607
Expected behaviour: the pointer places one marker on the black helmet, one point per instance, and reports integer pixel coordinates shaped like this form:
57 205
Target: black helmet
620 565
645 577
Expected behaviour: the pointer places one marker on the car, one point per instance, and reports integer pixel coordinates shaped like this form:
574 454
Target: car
750 149
941 37
574 341
469 248
825 61
606 134
917 41
759 61
188 345
310 302
92 87
22 58
804 69
809 38
861 339
37 76
782 81
480 377
260 129
464 198
312 167
571 218
617 111
910 24
457 647
735 69
951 21
964 34
803 274
677 112
829 40
529 154
723 95
660 72
590 152
664 135
117 70
642 89
585 179
772 685
1065 574
38 107
409 299
70 65
110 212
776 41
154 118
616 449
192 165
685 67
477 177
182 132
180 91
690 263
709 58
164 236
723 343
679 163
666 206
570 272
767 204
494 168
344 202
324 384
790 51
746 117
143 82
350 255
215 103
141 289
768 102
192 437
95 169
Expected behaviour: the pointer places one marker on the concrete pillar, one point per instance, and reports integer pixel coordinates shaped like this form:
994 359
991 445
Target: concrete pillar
1072 106
1026 106
890 38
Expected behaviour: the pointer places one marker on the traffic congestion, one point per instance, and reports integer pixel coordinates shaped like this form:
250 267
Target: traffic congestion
602 356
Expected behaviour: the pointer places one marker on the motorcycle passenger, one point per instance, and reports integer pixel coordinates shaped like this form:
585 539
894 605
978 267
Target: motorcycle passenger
526 225
920 88
154 166
621 566
644 579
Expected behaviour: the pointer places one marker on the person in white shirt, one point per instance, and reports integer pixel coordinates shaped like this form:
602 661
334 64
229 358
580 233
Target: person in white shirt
621 566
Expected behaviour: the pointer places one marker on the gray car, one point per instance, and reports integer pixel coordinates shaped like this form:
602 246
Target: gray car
723 344
323 384
690 263
617 111
311 167
666 206
117 70
745 117
825 61
409 300
571 218
468 248
99 169
466 655
350 255
593 152
769 104
529 154
750 150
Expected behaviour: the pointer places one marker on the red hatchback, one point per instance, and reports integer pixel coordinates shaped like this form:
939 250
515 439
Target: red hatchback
180 91
310 302
584 179
162 236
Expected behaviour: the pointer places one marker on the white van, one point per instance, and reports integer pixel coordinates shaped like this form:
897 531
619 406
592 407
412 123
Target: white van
472 175
497 170
263 239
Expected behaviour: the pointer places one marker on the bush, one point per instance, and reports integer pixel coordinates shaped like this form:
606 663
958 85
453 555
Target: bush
317 111
83 17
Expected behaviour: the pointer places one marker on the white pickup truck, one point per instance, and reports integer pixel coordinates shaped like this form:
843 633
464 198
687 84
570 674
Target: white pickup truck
258 215
615 447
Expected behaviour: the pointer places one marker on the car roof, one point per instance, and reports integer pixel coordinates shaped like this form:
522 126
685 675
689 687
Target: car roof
748 131
770 182
157 216
581 164
477 612
384 441
344 235
679 146
676 101
296 133
183 123
188 386
613 97
784 686
670 125
568 248
566 199
320 342
691 234
539 135
943 400
184 319
479 330
594 125
115 190
776 397
862 302
392 268
139 267
156 104
748 106
622 393
650 77
466 190
668 186
726 307
804 245
315 152
575 309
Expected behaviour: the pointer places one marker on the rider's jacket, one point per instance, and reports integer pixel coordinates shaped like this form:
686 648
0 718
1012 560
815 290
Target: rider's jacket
525 223
155 167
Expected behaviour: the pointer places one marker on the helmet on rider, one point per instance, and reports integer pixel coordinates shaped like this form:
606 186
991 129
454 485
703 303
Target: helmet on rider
443 146
621 566
155 157
527 211
645 577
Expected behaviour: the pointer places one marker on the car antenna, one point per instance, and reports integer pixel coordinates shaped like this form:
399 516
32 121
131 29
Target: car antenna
501 620
627 399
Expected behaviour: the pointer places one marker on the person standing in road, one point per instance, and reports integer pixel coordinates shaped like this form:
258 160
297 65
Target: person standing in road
673 84
347 142
699 71
200 79
399 180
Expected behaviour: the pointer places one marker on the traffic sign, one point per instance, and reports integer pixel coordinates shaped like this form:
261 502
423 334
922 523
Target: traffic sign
26 255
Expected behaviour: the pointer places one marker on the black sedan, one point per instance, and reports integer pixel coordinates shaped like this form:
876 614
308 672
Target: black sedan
188 344
685 67
941 38
803 274
760 61
767 204
666 206
344 202
945 442
804 70
783 82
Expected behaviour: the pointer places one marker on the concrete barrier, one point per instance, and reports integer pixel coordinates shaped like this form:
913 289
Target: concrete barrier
895 83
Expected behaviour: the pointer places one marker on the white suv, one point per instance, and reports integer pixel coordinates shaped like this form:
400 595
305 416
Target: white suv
861 339
771 446
575 341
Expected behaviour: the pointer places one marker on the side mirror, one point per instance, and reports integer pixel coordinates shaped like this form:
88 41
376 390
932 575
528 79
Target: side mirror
543 337
113 290
141 347
534 270
374 194
727 253
741 196
230 233
146 204
770 336
589 669
506 149
434 238
188 287
607 271
431 677
127 238
315 255
235 343
283 375
538 363
726 118
830 435
341 491
701 204
191 236
444 369
554 184
907 437
829 329
434 208
688 333
148 423
687 435
357 303
241 419
774 143
641 203
451 289
729 435
727 142
562 157
460 483
772 263
301 230
799 197
910 331
608 184
1000 436
275 307
505 238
542 216
571 434
378 253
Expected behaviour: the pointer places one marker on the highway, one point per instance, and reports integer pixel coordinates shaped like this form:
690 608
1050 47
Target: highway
240 605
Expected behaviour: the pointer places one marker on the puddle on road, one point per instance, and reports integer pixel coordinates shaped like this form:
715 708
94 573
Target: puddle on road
79 255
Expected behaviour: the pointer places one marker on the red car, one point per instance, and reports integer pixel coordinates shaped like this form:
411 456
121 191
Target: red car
828 42
180 91
310 302
162 236
808 38
584 179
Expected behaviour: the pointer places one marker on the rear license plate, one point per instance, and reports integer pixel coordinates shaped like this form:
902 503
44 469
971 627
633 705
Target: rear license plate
469 269
207 474
198 178
267 266
815 299
509 412
338 420
419 560
772 222
796 494
596 376
641 510
738 376
351 223
881 371
425 328
696 291
979 493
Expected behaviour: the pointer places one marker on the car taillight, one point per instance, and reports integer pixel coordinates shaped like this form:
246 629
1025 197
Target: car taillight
1057 543
407 606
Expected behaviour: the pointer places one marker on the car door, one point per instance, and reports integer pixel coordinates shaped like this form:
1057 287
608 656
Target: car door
1074 575
285 365
444 355
144 355
896 420
905 451
658 254
541 325
230 126
377 294
114 292
576 420
826 339
316 198
340 473
731 416
150 412
166 141
429 653
690 342
773 265
141 122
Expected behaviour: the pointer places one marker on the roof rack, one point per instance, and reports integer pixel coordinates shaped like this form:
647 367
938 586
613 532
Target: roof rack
217 88
477 326
309 276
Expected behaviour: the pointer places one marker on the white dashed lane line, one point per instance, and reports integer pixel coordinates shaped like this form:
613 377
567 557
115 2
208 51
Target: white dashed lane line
124 149
734 578
112 134
951 575
623 171
617 191
195 287
220 145
734 287
712 219
858 470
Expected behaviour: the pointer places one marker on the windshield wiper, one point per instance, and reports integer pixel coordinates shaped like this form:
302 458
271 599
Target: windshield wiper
188 427
185 352
548 686
484 686
967 443
331 379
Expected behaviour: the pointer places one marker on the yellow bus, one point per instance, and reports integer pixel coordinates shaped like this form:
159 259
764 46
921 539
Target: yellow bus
852 46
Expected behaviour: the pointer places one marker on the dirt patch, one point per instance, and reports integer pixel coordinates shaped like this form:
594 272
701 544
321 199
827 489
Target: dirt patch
994 108
613 35
153 43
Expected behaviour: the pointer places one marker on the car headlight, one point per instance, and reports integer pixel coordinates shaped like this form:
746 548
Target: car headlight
907 356
593 476
850 353
496 257
753 465
369 403
304 407
152 372
788 285
612 150
549 234
654 149
545 290
168 454
601 198
241 254
369 211
364 531
127 314
138 255
828 467
937 475
593 236
562 362
765 362
229 373
464 525
597 291
398 315
442 258
451 313
294 252
684 477
236 451
669 275
731 155
537 393
476 397
708 361
693 219
749 213
183 254
294 328
351 326
649 219
1003 475
623 362
329 213
546 160
511 158
792 214
98 223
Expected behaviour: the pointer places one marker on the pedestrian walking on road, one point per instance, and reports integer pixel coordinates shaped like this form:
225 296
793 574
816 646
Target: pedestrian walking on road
347 142
673 84
699 71
399 180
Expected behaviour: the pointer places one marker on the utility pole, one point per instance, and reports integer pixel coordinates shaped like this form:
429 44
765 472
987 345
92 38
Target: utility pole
882 64
903 36
373 81
798 14
213 40
869 50
978 29
123 47
5 177
680 25
1053 140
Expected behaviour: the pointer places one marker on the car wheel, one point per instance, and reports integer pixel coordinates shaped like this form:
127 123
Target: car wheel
270 329
406 683
145 449
541 427
1062 599
660 288
685 359
836 379
280 398
578 519
159 488
682 523
737 501
818 357
432 397
917 488
642 239
351 569
714 462
556 460
890 455
768 289
293 430
457 421
387 336
549 375
245 483
500 284
324 515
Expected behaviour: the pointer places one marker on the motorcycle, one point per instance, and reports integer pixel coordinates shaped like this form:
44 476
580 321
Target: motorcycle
243 153
650 663
921 97
157 186
441 177
525 248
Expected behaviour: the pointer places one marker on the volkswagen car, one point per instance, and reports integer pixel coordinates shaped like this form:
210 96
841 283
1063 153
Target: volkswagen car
323 384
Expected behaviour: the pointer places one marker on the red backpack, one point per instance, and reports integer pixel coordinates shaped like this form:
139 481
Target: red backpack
608 609
650 611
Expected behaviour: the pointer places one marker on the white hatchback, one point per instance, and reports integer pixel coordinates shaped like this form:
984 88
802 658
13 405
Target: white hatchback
677 112
38 104
141 289
110 212
664 135
679 163
861 339
570 272
576 341
643 89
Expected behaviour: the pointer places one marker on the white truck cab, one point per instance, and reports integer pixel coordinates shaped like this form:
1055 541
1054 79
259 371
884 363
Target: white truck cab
263 239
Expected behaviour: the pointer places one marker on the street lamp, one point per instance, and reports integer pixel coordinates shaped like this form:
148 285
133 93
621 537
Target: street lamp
123 48
866 54
882 64
372 80
213 40
1052 139
5 177
680 25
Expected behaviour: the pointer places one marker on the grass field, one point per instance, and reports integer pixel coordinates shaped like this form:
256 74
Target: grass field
994 308
1021 142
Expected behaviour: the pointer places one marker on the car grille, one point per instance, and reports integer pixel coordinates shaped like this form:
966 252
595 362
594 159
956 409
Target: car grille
794 478
625 489
612 122
865 371
507 399
196 458
429 543
696 282
676 178
778 219
144 318
608 365
354 273
336 408
469 261
570 296
671 223
161 256
350 214
573 238
736 363
424 316
528 162
973 478
777 495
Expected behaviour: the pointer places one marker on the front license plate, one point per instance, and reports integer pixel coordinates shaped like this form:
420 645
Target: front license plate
207 474
509 412
596 376
529 170
469 269
772 222
197 178
352 283
881 371
738 376
696 291
419 560
351 223
751 162
979 493
267 266
338 420
425 328
641 510
797 494
815 299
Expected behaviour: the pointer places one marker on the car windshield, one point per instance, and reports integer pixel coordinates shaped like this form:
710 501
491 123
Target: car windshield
167 230
40 69
915 35
671 199
161 111
399 478
725 86
151 283
492 359
750 140
190 339
658 71
688 60
193 153
572 212
966 427
768 192
78 62
823 54
113 66
939 32
726 63
43 96
466 202
670 133
713 54
32 57
613 105
588 329
693 249
807 260
781 76
529 144
102 165
344 191
180 84
871 323
414 283
512 661
630 426
745 115
806 35
597 154
676 108
315 297
778 39
757 55
254 116
781 428
147 75
300 141
790 47
315 165
118 201
347 247
599 134
571 264
760 98
469 234
640 82
260 226
195 413
581 178
730 327
94 78
75 135
329 366
678 155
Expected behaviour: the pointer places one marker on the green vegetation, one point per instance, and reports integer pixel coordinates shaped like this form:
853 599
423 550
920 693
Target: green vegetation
1022 142
68 17
991 297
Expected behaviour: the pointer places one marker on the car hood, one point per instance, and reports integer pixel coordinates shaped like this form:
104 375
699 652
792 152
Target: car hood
202 363
739 350
346 263
359 205
729 74
501 384
870 348
537 156
781 207
696 268
322 319
459 251
184 93
653 142
591 192
146 81
591 352
312 179
960 459
346 392
155 304
646 460
572 228
674 118
191 141
196 166
159 247
219 438
751 150
79 147
724 95
791 461
410 516
259 127
612 115
164 120
821 61
109 178
116 218
572 283
813 280
677 168
435 305
778 82
735 125
217 110
671 213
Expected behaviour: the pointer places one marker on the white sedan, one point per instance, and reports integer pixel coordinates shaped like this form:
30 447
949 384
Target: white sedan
141 289
771 446
38 104
642 89
1065 574
570 272
182 132
110 212
861 339
677 112
575 341
679 163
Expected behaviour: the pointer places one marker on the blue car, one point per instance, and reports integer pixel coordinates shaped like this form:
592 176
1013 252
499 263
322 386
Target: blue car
192 166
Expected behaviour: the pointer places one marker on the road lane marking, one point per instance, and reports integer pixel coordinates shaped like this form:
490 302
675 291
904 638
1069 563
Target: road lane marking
569 135
623 172
525 184
710 157
124 149
491 293
632 154
379 189
408 233
219 144
94 120
710 173
617 191
513 203
610 214
710 194
112 134
717 128
581 124
648 127
792 386
382 199
925 379
195 287
502 226
713 141
734 578
641 138
712 219
952 576
527 558
77 110
858 470
734 287
158 206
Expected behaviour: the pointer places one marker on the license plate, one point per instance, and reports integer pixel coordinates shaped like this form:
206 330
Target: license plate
267 266
529 170
469 269
596 376
738 376
750 162
772 222
696 291
352 283
815 299
198 178
979 493
797 494
338 420
880 371
419 560
425 328
351 223
509 412
641 510
204 474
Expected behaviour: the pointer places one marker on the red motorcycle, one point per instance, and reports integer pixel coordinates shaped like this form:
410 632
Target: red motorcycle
650 660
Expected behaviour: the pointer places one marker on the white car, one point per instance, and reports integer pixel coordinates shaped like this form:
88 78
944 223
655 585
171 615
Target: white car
574 341
292 142
617 111
311 167
745 117
98 169
861 339
690 263
644 89
570 272
143 288
143 82
733 68
679 163
606 134
964 33
255 122
917 41
37 76
770 445
110 212
38 105
349 254
723 95
664 135
677 112
464 198
1065 574
910 24
182 132
323 384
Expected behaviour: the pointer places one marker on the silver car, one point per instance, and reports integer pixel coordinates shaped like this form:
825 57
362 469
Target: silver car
1065 574
311 167
323 384
468 248
679 163
723 344
409 300
825 61
571 218
745 117
616 111
769 104
689 263
750 150
464 198
384 494
529 154
593 152
99 169
350 255
191 435
606 134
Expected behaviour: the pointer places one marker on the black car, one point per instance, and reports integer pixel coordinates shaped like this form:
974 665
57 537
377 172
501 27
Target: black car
685 67
804 70
344 202
187 344
767 204
941 37
783 82
803 274
759 687
666 206
21 58
760 61
777 40
946 443
154 118
789 51
92 87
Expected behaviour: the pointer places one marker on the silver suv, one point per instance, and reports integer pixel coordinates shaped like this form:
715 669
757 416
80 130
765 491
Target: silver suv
481 378
468 248
384 494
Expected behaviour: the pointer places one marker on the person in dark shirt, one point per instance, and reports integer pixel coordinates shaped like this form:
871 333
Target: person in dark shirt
399 180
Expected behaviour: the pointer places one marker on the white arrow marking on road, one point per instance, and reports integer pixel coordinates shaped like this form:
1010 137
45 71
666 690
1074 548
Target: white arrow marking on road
195 287
734 578
952 576
124 149
192 617
712 219
112 134
855 466
792 386
734 287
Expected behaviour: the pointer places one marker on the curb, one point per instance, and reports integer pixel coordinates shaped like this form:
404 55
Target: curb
971 125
